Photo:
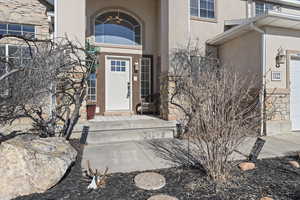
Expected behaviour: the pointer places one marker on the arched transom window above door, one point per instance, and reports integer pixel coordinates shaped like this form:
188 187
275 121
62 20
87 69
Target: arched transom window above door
117 27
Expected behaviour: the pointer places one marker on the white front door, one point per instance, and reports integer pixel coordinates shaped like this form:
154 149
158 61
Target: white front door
295 93
118 84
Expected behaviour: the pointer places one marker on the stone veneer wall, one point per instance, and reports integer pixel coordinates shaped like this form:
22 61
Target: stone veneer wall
28 12
278 107
278 112
31 12
167 110
164 97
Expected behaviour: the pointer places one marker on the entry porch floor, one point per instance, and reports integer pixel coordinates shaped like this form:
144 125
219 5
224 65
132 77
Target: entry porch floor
165 153
123 118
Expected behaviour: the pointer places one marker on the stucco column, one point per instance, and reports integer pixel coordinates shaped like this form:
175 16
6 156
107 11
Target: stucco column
179 18
174 28
70 19
174 33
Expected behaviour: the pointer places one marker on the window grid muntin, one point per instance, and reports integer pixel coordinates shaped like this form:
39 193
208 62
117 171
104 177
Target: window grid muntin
146 65
202 8
18 57
3 53
10 56
262 8
3 67
23 30
135 27
117 65
19 53
92 92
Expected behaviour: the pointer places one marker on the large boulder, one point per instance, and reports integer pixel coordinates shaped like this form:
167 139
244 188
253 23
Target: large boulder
30 164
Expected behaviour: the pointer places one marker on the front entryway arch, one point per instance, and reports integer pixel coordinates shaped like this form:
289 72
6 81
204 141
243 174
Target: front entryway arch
118 27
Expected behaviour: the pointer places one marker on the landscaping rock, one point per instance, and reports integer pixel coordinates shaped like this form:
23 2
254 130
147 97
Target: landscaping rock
150 181
294 164
266 198
162 197
33 165
245 166
283 184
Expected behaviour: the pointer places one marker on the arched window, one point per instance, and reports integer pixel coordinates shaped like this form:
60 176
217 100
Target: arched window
116 27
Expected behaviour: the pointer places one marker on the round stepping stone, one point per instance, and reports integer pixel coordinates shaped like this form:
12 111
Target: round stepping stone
150 181
162 197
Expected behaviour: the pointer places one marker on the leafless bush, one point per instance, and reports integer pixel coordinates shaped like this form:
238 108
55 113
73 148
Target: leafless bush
44 81
220 106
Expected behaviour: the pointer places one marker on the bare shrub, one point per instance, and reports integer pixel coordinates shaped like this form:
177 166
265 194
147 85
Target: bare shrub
44 81
220 108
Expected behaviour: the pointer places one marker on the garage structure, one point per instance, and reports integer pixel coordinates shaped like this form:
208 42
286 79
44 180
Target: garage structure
268 46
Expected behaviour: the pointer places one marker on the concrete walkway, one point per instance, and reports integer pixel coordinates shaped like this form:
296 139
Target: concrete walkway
165 153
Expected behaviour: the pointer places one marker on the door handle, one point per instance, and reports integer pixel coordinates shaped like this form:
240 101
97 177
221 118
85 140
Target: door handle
128 89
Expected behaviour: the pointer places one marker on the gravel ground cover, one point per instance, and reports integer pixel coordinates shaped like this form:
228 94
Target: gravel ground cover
272 177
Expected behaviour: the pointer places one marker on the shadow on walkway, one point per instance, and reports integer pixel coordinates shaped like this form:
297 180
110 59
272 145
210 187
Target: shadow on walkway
175 151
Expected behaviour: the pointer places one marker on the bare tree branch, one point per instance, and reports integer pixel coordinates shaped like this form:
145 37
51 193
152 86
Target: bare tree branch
51 71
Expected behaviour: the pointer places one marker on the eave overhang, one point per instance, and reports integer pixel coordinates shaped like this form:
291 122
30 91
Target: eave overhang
47 3
293 3
272 18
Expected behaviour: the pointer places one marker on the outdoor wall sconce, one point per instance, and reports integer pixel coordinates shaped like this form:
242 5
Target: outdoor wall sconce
136 66
280 57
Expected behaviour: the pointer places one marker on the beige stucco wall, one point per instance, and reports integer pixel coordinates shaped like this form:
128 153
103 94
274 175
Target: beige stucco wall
288 40
244 54
164 34
245 51
30 12
178 23
146 11
202 30
279 91
174 28
70 20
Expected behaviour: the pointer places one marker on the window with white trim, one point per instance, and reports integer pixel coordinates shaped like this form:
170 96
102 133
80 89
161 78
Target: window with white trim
146 64
91 96
116 27
17 29
3 58
15 56
202 8
18 55
262 8
118 66
3 68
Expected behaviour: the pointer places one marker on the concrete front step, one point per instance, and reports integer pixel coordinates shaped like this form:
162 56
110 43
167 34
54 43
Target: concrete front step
130 124
133 130
104 137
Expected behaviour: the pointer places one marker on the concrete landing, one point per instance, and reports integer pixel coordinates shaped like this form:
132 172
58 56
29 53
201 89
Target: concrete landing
123 157
164 153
